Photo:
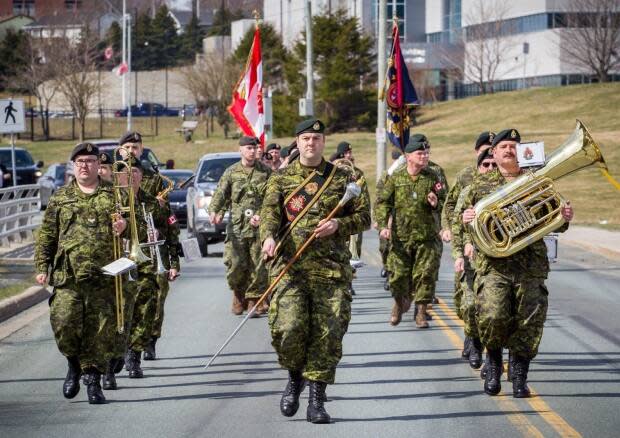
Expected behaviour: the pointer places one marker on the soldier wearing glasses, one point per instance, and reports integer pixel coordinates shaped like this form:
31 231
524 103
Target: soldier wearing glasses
240 191
73 244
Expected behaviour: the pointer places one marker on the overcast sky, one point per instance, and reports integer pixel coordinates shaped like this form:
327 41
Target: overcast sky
180 4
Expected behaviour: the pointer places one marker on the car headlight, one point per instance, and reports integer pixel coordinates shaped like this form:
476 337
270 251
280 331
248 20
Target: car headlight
38 174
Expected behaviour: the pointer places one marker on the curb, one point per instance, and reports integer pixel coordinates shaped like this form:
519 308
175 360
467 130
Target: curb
18 303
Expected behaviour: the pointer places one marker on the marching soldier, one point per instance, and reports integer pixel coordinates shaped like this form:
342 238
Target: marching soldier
145 306
311 307
241 190
273 150
411 196
73 244
464 269
511 291
449 221
105 167
154 185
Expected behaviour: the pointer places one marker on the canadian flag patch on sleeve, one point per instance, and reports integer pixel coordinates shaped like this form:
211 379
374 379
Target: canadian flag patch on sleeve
172 220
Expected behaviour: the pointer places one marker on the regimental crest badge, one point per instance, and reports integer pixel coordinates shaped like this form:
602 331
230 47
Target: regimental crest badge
528 154
316 126
311 188
294 206
89 148
491 137
513 134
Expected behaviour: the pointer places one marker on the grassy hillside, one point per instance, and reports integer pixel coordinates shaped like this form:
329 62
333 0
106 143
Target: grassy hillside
546 114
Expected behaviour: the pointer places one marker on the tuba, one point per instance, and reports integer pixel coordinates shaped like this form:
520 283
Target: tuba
526 209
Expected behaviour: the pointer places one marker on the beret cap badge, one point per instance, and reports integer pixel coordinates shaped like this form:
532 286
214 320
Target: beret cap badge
316 126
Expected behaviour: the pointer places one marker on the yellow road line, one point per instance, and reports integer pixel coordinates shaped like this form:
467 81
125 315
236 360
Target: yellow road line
519 420
537 403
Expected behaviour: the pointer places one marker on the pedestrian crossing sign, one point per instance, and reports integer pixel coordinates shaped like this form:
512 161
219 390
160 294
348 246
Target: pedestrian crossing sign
12 118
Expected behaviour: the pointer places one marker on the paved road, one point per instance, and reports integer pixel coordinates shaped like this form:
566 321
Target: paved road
391 382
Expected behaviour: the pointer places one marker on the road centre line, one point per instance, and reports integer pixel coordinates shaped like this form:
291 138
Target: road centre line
536 402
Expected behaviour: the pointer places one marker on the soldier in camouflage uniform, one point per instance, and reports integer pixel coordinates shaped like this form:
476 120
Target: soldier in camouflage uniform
145 302
450 221
154 185
411 195
105 166
241 190
73 244
511 292
311 306
465 269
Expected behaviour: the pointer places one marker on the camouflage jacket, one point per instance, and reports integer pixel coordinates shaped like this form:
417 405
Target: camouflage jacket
378 188
532 260
326 258
404 197
462 180
241 190
152 183
165 224
75 238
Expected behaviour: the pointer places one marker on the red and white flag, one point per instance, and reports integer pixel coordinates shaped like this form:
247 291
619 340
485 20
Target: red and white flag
247 101
121 69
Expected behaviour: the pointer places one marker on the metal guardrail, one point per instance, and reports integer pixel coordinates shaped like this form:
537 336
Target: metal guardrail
19 205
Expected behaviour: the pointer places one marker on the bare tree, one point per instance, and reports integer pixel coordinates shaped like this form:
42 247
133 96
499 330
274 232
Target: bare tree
478 51
591 39
211 81
37 77
75 75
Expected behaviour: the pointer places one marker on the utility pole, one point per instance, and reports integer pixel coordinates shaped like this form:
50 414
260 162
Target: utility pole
381 111
129 71
124 54
309 66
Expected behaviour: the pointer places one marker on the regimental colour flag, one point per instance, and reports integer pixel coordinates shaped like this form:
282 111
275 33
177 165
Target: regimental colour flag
247 101
400 96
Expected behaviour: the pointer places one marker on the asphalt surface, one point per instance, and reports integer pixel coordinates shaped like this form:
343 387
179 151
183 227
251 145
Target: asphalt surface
392 381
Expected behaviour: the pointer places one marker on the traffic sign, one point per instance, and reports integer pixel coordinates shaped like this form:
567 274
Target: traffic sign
12 116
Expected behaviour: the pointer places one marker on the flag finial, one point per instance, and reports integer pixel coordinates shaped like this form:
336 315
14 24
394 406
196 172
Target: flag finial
256 16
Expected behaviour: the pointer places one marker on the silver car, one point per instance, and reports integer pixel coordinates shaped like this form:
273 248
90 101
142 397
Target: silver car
199 194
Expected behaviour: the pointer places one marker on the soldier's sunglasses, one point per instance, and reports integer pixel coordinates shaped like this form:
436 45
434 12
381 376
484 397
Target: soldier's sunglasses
489 164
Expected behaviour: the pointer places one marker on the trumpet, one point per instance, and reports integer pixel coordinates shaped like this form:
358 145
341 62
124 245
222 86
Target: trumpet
152 243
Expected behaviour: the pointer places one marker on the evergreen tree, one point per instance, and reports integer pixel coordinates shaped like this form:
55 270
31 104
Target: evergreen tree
191 40
222 19
13 49
165 40
144 54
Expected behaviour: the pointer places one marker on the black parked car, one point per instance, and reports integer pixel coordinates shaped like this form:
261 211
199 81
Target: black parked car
52 180
147 109
178 196
27 171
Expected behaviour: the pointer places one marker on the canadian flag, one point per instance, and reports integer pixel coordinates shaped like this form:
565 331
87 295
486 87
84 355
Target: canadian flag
247 101
121 69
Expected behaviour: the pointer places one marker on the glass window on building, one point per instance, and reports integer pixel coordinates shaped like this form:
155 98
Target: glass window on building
23 7
392 5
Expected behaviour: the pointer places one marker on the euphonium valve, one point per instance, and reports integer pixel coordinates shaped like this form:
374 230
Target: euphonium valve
528 208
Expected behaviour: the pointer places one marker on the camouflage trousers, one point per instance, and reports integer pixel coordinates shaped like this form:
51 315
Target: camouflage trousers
130 293
308 320
458 294
143 312
244 271
384 249
355 246
414 268
83 321
162 294
512 310
468 302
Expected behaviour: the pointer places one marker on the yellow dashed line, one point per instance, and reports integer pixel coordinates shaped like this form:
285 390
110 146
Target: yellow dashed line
536 402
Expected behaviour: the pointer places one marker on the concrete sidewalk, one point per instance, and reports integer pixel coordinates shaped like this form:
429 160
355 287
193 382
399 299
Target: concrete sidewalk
603 242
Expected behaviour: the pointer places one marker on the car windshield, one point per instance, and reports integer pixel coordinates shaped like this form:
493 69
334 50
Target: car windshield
22 158
212 170
177 177
60 171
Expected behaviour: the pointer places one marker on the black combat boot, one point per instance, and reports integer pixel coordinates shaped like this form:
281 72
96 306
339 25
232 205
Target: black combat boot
475 353
520 368
384 272
109 379
316 411
132 363
492 385
118 364
92 380
511 362
289 403
149 353
71 386
466 345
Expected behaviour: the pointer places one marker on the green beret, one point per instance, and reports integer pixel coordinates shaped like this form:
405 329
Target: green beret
130 137
273 146
506 134
105 158
248 141
84 149
485 137
310 125
418 137
413 146
486 154
343 146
